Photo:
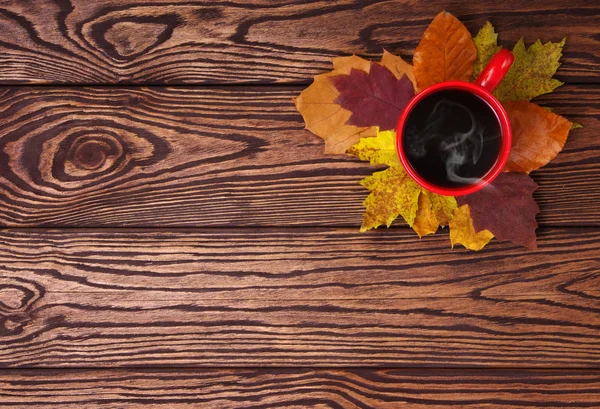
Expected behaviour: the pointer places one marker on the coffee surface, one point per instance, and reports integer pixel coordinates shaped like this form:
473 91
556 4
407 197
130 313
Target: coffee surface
452 138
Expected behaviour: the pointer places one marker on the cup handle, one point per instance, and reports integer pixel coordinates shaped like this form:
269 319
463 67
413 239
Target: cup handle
495 70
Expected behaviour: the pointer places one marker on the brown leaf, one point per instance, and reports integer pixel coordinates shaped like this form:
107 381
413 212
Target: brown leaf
375 98
506 208
446 52
538 136
323 116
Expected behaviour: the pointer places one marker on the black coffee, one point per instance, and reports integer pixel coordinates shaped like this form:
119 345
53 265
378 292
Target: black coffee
452 138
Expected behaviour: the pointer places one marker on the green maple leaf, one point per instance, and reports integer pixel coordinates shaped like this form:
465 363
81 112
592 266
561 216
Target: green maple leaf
486 43
531 73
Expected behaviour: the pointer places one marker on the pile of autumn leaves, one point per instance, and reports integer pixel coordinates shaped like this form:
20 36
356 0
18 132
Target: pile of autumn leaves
355 107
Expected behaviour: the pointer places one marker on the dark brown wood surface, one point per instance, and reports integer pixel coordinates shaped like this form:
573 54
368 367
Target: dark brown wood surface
228 156
249 41
316 297
300 388
206 254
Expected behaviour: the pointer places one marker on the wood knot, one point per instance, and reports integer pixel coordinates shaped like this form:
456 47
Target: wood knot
17 295
17 299
91 154
12 298
82 152
125 38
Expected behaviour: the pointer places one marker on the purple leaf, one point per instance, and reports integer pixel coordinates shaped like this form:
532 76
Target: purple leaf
375 98
506 208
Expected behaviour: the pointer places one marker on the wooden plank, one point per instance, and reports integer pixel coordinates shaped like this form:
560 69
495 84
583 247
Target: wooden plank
299 388
249 41
282 297
231 156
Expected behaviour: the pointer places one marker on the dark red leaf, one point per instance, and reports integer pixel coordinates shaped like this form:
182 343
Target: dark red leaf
506 208
375 98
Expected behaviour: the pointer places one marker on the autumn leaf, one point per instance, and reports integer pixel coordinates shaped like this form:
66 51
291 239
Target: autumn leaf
343 65
434 211
325 118
425 221
356 106
443 207
393 194
446 52
375 98
538 136
380 150
398 67
486 43
463 232
506 208
531 72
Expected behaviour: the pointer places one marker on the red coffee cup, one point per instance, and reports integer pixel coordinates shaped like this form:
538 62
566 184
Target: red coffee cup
483 86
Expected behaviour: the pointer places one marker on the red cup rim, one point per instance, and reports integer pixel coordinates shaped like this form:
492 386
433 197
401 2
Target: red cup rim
504 149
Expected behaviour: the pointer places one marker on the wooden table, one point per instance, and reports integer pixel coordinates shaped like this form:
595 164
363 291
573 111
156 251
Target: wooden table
174 238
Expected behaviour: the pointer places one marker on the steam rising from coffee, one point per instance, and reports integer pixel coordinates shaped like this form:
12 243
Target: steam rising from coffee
456 135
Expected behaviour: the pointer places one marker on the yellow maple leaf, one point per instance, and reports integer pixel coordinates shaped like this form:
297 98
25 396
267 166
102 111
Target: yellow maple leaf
443 207
393 194
463 232
323 116
425 220
425 210
380 150
434 211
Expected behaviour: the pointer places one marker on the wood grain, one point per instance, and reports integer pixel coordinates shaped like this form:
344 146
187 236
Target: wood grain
249 41
309 297
84 311
299 388
230 156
